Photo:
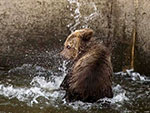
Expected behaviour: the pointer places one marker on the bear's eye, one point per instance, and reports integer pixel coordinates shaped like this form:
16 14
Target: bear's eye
68 47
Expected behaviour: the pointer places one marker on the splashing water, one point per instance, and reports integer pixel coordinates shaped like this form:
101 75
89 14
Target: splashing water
119 97
43 86
35 85
133 75
79 19
76 15
40 86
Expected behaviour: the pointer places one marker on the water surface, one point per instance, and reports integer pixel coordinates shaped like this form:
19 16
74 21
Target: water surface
33 89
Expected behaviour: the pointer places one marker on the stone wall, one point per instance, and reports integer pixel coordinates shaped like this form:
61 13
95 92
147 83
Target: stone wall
31 29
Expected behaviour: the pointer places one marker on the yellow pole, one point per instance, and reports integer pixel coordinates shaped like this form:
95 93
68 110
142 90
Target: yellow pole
136 5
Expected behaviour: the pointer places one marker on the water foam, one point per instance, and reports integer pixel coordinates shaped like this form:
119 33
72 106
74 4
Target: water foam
23 94
120 95
119 98
44 84
40 86
135 76
46 87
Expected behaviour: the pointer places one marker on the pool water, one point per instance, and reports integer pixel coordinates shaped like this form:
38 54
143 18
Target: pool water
34 89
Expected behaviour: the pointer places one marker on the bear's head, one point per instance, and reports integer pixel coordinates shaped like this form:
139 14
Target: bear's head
75 42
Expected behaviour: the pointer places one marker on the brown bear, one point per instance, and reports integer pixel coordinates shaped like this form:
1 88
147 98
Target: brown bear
90 76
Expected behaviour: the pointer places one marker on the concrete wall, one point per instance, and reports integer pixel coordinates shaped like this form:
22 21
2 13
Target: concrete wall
30 29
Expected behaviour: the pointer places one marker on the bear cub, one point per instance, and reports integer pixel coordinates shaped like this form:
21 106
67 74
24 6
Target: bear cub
89 79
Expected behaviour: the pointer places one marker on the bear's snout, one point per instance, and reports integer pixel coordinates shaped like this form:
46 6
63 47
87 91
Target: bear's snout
66 54
62 53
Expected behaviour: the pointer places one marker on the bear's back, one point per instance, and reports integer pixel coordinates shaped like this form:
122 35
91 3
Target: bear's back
91 75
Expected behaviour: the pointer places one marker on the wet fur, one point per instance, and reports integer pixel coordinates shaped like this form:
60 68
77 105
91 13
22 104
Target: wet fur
90 76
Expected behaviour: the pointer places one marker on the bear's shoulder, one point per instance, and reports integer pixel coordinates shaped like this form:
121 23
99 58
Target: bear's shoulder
92 66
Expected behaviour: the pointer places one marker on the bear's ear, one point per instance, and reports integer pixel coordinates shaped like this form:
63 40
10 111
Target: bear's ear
86 34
